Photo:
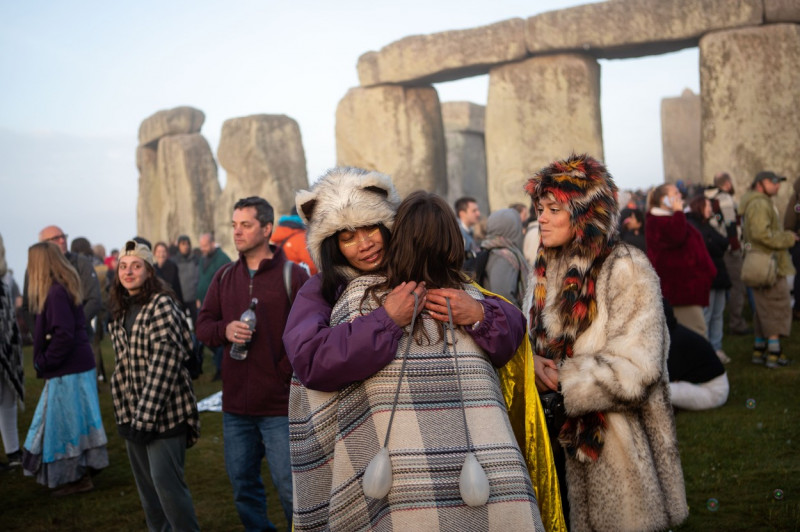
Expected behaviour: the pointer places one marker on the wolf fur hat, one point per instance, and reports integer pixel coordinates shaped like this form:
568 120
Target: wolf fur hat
345 198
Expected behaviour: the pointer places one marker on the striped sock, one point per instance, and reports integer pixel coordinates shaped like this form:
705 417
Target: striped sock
774 346
760 344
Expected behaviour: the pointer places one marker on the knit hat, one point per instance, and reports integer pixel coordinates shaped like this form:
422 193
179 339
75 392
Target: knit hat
583 185
345 198
134 249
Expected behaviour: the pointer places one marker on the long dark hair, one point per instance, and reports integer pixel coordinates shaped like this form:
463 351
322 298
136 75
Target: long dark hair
334 264
427 245
121 300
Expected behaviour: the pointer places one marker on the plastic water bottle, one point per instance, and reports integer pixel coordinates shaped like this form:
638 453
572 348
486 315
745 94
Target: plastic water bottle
239 351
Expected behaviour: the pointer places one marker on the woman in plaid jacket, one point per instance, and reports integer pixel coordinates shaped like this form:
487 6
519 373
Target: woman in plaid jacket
154 404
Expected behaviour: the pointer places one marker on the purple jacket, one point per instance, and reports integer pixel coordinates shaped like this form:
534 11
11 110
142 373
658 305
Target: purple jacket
68 350
258 385
329 358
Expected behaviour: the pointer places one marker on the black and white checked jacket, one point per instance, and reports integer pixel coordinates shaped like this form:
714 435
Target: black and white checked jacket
151 387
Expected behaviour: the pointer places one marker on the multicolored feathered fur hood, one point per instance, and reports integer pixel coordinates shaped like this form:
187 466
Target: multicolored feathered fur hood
586 188
345 198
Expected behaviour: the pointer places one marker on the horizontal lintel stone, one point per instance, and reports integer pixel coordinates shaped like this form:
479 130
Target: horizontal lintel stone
636 28
444 56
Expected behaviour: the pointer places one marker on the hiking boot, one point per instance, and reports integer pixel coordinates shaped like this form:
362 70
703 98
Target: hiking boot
783 360
772 361
758 356
79 486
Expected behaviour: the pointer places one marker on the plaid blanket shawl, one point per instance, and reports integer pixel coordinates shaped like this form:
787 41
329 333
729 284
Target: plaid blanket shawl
333 437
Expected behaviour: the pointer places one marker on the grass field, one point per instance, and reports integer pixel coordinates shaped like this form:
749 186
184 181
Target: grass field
737 455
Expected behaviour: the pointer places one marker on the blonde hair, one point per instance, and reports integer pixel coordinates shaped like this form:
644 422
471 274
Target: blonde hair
46 265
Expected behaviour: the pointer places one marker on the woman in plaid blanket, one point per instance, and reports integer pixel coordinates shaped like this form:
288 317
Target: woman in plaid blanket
335 434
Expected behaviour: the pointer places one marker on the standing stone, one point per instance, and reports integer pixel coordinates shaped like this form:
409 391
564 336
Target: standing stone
464 127
177 121
749 81
539 110
188 174
680 138
151 195
635 28
445 55
395 130
263 156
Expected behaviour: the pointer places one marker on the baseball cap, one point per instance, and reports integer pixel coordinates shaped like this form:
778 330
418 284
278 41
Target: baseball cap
771 176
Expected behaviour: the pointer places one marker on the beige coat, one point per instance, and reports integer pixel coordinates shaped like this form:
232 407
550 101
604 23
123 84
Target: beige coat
619 368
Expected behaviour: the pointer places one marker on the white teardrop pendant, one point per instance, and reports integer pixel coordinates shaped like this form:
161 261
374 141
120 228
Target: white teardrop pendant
377 479
474 484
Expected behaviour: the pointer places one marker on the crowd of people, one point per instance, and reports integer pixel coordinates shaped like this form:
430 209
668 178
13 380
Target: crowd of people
487 375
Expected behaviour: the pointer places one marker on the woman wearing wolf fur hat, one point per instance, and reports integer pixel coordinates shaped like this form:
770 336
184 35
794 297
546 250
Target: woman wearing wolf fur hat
599 337
349 214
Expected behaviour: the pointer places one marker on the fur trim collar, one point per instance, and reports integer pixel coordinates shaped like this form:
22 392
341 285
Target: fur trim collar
345 198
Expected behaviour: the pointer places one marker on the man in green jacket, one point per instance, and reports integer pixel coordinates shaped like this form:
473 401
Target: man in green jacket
763 231
213 259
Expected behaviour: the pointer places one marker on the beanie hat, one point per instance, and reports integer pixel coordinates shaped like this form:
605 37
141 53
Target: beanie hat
345 198
135 249
585 188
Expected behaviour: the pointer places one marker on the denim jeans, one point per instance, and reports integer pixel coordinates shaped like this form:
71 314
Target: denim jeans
713 315
248 439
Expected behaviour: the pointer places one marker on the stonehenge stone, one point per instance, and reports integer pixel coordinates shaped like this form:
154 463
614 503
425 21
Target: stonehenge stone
187 180
263 156
781 11
751 103
680 138
634 28
539 110
444 56
466 152
180 120
151 194
395 130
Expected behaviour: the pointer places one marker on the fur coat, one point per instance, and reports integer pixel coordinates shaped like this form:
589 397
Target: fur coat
619 368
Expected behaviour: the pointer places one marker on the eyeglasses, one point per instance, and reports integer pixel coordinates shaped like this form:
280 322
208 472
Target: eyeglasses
56 238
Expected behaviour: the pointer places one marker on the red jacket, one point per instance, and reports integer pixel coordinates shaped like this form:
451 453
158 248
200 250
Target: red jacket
679 256
258 385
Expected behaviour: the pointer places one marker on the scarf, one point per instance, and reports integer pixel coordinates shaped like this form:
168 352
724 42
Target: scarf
511 254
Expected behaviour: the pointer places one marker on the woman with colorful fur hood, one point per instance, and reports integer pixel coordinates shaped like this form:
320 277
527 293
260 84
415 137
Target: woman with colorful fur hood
600 337
341 205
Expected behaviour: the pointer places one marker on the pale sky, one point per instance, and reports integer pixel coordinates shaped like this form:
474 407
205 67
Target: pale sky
79 77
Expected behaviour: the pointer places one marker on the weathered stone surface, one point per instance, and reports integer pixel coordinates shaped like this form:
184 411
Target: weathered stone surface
263 156
444 56
781 11
395 130
539 110
464 116
466 152
179 199
635 28
680 138
151 193
180 120
751 103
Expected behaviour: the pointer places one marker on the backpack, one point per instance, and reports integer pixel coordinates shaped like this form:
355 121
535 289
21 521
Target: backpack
475 267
